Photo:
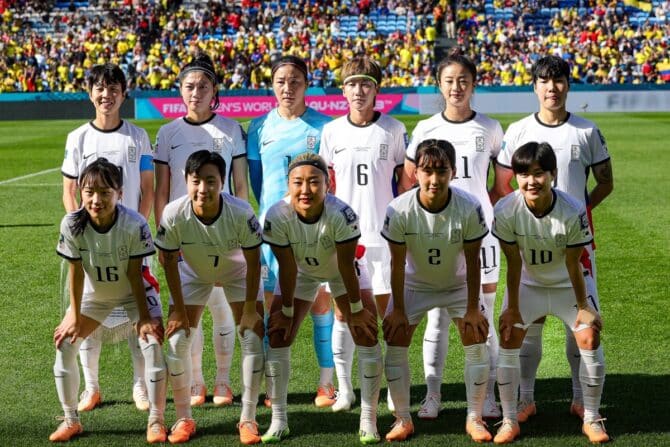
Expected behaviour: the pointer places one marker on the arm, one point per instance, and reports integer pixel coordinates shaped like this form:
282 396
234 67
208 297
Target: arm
145 325
282 320
249 315
177 319
70 194
147 193
502 182
407 176
240 178
511 315
397 319
162 196
602 173
586 314
360 319
473 315
70 325
256 177
397 178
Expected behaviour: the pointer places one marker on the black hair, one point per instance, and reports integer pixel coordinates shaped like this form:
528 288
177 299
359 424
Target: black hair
100 171
550 67
198 159
533 152
106 74
311 159
456 57
203 63
290 60
435 154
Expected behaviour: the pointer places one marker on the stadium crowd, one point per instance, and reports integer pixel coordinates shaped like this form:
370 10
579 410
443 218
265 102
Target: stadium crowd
49 48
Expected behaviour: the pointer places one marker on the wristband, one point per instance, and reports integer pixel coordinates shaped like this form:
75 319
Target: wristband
287 311
356 306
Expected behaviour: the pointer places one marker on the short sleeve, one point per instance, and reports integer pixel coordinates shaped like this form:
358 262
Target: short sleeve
502 228
252 141
162 153
70 166
474 227
598 146
347 228
167 234
250 234
579 231
496 140
508 147
393 229
67 245
402 140
141 242
326 152
275 231
146 153
240 148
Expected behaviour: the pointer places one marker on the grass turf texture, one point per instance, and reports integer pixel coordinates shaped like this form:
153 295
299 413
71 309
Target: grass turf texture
633 264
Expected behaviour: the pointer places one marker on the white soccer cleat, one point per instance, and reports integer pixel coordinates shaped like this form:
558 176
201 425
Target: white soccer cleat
140 396
430 406
343 402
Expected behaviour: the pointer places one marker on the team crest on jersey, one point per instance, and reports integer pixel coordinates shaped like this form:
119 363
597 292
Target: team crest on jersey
123 252
326 242
383 151
311 142
455 235
349 215
560 240
217 144
132 154
145 236
479 144
574 152
232 244
253 225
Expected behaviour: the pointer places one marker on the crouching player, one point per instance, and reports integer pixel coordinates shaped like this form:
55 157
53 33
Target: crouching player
105 244
437 230
211 238
313 236
542 232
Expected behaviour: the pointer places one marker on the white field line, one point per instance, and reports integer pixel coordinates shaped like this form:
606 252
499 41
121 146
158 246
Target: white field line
34 174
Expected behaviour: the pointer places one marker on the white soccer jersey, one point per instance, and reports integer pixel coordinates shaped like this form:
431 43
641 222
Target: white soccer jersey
127 146
477 141
313 244
543 240
577 143
105 256
435 258
178 139
211 252
364 159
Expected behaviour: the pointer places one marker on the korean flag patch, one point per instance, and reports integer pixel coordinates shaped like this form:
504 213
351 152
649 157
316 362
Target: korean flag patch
145 236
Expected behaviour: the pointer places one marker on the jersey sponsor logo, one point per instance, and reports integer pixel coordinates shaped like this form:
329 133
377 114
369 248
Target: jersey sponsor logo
383 151
575 151
560 240
217 144
253 225
311 142
349 215
479 144
455 235
132 154
123 252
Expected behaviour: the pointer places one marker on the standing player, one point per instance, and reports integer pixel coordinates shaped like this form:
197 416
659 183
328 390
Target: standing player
314 237
274 140
128 147
434 234
477 140
580 149
201 128
218 237
105 243
364 151
543 233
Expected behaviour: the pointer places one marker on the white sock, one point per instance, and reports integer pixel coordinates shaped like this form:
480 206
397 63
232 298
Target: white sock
155 376
530 356
137 358
223 334
89 356
179 365
197 341
476 377
277 372
343 355
370 373
592 375
508 380
397 376
435 348
574 359
66 374
252 373
489 300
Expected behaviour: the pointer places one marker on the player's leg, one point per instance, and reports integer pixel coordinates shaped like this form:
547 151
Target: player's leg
322 337
198 388
530 356
488 298
89 356
155 377
435 348
343 356
223 338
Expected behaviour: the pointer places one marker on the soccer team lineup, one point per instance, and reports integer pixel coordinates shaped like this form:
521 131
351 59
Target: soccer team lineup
372 231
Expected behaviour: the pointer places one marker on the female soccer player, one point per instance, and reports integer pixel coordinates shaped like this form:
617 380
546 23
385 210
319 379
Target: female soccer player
434 233
477 139
543 232
580 149
218 237
128 147
201 128
274 140
364 151
314 236
105 244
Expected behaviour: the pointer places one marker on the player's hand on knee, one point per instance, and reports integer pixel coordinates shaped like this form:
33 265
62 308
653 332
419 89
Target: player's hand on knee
249 321
395 324
363 324
474 320
69 327
176 321
508 321
279 323
589 317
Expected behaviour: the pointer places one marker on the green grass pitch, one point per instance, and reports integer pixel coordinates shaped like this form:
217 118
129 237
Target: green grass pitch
633 263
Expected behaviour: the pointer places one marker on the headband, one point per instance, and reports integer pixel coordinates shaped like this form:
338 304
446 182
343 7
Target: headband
208 71
359 76
316 163
282 63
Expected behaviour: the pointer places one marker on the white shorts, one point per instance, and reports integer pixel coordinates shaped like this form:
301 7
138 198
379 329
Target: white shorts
489 259
98 310
536 302
379 267
153 296
363 273
418 302
198 293
307 286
